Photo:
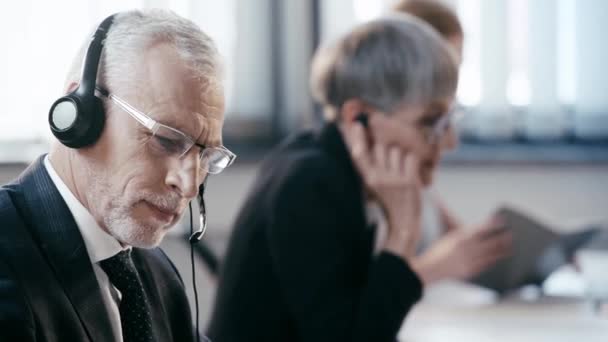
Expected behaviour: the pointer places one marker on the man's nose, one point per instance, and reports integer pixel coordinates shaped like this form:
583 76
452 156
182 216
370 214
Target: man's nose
184 176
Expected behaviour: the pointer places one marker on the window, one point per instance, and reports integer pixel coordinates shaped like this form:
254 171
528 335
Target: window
40 39
532 69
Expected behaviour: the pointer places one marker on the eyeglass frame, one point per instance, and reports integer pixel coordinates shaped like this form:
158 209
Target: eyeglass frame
451 117
153 125
440 128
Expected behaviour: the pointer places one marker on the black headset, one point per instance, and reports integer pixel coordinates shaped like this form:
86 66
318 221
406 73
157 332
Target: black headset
77 118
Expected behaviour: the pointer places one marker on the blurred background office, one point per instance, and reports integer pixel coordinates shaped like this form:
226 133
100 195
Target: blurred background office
533 85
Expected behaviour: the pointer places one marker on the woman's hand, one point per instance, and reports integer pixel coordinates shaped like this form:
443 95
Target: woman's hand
391 175
464 253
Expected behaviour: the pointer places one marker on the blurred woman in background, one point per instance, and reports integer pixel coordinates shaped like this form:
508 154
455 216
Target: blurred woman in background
304 262
447 249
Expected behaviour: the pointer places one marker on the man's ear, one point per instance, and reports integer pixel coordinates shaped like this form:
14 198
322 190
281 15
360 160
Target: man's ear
71 87
351 109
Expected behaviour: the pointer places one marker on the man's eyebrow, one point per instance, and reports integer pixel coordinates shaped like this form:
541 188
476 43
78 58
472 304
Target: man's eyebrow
169 122
172 122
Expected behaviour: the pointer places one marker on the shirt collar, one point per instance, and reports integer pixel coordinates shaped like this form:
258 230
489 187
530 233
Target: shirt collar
100 245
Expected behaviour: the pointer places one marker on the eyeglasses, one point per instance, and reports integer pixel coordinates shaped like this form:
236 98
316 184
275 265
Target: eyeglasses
168 141
434 133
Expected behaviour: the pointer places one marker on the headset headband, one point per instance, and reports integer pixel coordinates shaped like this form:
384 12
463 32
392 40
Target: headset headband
91 60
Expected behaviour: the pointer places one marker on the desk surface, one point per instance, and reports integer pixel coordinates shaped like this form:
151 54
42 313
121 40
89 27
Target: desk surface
544 320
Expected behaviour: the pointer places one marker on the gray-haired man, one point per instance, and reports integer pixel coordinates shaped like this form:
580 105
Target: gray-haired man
137 133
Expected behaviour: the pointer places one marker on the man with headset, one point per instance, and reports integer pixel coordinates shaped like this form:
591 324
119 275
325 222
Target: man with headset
137 134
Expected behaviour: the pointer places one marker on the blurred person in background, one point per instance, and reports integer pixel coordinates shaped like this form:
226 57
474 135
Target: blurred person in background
137 133
303 263
447 249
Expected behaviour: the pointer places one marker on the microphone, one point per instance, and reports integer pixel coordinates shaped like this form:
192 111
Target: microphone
194 238
198 235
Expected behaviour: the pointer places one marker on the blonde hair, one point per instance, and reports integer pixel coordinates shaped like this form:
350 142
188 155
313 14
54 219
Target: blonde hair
441 17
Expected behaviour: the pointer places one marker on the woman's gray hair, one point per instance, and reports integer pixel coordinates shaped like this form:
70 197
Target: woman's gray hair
387 63
134 31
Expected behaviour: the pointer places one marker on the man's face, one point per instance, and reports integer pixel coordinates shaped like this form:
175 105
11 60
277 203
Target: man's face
411 129
137 194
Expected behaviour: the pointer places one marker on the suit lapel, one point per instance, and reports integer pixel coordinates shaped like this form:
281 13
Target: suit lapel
54 227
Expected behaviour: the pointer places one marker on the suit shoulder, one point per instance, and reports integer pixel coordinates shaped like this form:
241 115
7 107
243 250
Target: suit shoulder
16 319
6 200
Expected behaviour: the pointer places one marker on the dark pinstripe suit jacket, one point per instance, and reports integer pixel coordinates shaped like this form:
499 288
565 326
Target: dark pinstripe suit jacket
48 291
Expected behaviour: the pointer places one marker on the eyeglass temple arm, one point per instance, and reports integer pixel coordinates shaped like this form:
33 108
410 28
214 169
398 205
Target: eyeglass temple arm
136 114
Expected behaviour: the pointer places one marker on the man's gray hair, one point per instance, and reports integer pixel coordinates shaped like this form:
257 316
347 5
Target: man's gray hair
133 32
387 63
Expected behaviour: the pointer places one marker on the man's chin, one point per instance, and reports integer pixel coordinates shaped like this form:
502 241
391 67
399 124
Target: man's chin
147 242
143 235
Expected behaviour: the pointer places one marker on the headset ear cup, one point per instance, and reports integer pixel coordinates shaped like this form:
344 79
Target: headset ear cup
77 121
63 117
95 121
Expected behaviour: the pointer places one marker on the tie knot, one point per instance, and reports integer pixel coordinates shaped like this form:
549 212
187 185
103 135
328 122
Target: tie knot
125 254
135 314
121 270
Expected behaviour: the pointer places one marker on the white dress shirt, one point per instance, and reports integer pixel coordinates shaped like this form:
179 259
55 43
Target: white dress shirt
100 245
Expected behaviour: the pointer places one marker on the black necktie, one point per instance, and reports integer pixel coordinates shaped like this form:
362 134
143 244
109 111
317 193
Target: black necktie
135 316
